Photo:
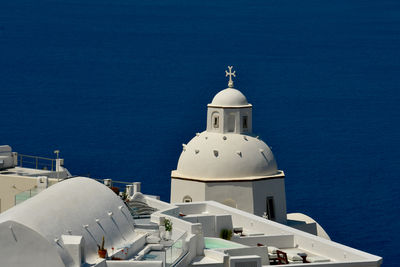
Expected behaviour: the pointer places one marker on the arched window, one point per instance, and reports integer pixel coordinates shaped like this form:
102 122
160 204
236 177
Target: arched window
215 121
187 199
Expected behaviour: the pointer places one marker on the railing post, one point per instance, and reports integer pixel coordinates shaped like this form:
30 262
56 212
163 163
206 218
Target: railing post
37 159
20 160
52 161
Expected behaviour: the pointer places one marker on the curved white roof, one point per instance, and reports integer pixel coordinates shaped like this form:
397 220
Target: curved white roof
229 97
226 156
72 207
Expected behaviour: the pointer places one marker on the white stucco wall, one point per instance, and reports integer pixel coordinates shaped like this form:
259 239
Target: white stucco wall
249 196
270 187
181 188
235 194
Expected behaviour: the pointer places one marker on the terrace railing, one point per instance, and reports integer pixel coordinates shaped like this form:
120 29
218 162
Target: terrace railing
36 162
22 196
174 253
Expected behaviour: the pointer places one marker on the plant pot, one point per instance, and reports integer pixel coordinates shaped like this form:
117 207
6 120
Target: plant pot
168 235
102 253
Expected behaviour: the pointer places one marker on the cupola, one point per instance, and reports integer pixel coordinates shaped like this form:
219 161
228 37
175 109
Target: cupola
229 111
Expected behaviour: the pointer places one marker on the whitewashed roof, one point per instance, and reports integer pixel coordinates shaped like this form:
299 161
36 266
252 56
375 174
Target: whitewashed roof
79 207
229 97
215 155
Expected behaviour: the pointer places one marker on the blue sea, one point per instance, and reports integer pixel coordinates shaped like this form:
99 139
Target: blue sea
119 85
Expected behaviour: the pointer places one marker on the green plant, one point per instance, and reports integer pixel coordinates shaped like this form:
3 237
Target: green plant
225 234
102 244
168 225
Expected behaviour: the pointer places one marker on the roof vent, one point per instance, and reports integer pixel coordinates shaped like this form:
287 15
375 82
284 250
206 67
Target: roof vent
224 137
197 151
215 153
239 153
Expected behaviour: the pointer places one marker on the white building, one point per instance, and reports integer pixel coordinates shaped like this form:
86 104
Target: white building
63 225
228 164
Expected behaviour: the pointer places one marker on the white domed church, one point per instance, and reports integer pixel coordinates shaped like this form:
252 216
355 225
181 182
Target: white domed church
228 164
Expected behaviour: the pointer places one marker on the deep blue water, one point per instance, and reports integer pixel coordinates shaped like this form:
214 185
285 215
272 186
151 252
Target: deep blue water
119 85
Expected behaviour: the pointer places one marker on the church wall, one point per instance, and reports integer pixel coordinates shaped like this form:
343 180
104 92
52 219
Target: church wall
246 112
220 113
231 120
181 188
235 194
274 188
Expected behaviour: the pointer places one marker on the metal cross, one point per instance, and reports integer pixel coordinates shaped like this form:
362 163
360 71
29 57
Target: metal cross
230 74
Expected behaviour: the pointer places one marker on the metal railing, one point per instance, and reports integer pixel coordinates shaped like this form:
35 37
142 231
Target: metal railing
36 162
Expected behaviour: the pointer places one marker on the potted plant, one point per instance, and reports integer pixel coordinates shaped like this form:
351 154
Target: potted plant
226 234
101 250
168 226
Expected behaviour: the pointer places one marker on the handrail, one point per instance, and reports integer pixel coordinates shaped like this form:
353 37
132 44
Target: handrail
30 156
37 161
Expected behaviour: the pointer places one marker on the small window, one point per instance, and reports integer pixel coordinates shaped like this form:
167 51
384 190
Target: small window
187 199
231 123
245 122
216 122
270 209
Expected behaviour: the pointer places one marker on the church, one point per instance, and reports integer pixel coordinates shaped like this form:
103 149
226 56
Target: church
228 164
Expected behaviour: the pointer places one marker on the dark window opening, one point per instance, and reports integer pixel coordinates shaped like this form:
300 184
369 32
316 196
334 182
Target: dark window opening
270 208
245 122
187 199
231 123
216 122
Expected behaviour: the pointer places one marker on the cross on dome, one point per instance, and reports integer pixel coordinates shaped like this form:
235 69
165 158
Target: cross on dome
230 74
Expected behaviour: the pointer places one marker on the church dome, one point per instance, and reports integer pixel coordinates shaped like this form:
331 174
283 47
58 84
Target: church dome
229 97
226 156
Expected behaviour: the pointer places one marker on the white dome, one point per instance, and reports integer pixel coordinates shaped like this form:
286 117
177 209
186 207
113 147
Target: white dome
74 205
229 97
226 156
